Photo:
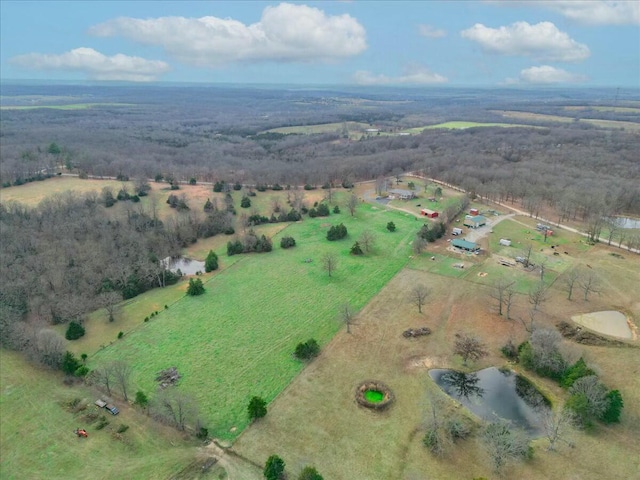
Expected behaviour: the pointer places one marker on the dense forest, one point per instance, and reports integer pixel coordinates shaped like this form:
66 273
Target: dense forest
69 255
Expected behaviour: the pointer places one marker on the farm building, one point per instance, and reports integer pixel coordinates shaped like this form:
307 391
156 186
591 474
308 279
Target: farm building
464 245
474 222
429 213
474 212
456 231
401 194
505 243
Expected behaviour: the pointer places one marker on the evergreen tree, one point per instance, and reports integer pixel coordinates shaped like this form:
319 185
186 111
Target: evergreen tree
274 468
195 287
257 408
211 262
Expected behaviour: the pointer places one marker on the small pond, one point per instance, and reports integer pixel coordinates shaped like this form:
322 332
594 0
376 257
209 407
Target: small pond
626 222
185 265
609 322
494 394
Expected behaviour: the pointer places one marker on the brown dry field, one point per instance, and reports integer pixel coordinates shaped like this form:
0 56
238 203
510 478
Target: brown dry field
316 420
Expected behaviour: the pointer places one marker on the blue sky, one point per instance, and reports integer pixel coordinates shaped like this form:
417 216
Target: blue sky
459 43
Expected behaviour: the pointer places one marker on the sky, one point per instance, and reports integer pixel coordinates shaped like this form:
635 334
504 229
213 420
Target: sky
395 43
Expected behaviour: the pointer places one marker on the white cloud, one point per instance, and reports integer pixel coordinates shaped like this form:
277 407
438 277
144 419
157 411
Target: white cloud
542 41
415 75
588 12
430 31
96 65
547 75
287 32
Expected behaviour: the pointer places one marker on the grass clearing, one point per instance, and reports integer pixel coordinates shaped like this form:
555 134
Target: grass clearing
37 439
344 128
237 339
541 117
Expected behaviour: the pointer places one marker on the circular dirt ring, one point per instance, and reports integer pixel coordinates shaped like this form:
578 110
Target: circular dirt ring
374 395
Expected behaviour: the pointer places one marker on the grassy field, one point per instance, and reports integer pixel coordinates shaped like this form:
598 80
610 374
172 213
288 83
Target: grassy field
37 439
461 125
540 117
351 128
316 420
73 106
602 108
236 340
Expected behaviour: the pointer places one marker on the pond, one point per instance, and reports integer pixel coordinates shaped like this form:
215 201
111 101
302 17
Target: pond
185 265
494 394
627 222
609 322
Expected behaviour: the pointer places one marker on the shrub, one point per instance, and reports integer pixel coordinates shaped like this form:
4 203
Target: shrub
356 249
70 363
120 335
211 262
391 227
202 433
122 428
274 468
309 473
458 428
102 422
322 210
245 202
510 351
195 287
74 331
336 209
307 350
613 411
257 408
81 371
192 181
575 372
141 399
287 242
337 232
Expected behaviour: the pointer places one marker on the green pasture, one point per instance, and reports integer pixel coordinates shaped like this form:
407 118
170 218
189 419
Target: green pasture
602 108
73 106
37 439
236 340
460 125
439 264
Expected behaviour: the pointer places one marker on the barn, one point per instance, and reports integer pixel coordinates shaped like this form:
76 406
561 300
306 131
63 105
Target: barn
429 213
474 212
474 221
465 245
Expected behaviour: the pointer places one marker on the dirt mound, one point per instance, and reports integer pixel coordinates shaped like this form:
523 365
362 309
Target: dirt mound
416 332
578 334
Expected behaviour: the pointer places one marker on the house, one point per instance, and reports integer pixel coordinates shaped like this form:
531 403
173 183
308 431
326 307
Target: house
456 231
464 245
474 212
401 194
429 213
474 222
505 243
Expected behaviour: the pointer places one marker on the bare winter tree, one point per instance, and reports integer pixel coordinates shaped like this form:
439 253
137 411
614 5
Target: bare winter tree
347 315
329 262
328 195
504 444
538 295
103 377
110 301
509 299
418 245
526 254
418 296
571 279
352 204
48 348
595 394
558 426
177 407
367 241
590 283
499 291
122 376
469 347
436 438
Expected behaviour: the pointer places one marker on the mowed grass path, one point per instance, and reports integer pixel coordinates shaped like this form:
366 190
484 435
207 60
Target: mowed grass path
37 439
236 340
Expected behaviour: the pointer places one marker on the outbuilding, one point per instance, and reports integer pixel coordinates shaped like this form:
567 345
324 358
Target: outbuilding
474 221
456 231
465 245
429 213
505 243
474 212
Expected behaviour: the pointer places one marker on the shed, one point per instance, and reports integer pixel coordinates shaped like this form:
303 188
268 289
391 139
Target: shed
429 213
465 245
112 409
100 403
474 212
505 243
402 194
456 231
474 222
